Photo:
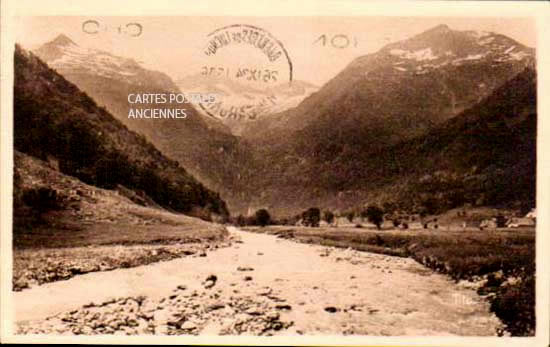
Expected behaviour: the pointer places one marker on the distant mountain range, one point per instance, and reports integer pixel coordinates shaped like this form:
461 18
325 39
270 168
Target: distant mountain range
359 138
265 101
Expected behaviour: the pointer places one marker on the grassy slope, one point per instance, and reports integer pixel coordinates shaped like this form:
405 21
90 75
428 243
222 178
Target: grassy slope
500 257
84 232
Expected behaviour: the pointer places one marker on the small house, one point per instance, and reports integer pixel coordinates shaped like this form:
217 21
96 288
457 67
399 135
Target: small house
520 222
415 225
488 223
532 214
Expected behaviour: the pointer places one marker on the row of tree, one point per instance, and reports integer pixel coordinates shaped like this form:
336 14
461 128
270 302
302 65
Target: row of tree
310 217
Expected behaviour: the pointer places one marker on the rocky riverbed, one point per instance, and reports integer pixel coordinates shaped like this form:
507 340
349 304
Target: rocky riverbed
260 285
207 310
36 267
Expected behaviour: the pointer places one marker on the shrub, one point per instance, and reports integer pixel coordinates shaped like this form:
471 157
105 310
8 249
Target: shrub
515 306
241 220
375 215
42 199
328 217
262 217
311 217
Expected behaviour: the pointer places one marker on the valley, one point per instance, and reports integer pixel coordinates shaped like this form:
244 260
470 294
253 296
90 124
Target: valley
397 198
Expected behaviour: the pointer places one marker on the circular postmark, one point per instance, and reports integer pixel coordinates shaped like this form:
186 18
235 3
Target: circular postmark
246 67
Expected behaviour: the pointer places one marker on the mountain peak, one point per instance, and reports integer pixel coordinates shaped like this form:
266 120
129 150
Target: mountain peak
54 49
441 28
443 43
62 40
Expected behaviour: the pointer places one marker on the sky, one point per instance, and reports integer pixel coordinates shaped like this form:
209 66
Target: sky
175 45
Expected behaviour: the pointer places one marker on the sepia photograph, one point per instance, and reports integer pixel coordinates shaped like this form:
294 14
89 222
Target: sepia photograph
274 176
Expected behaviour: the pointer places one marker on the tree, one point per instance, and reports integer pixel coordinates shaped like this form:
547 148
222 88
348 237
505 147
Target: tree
375 215
262 217
501 221
42 200
241 220
328 217
350 216
311 217
389 206
430 205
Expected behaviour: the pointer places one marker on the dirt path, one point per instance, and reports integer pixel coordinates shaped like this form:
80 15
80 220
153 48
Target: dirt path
260 285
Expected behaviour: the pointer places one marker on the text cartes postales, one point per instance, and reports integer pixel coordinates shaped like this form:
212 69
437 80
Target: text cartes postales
145 104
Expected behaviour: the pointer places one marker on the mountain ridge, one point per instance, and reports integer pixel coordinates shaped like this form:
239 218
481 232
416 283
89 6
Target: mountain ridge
311 153
203 145
317 151
374 70
485 156
54 120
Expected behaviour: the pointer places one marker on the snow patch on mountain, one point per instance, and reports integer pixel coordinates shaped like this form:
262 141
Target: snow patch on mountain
77 56
68 58
518 55
509 50
420 55
469 57
479 34
486 40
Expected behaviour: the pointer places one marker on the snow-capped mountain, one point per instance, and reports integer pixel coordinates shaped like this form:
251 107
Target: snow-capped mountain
204 146
68 58
334 145
442 46
409 85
